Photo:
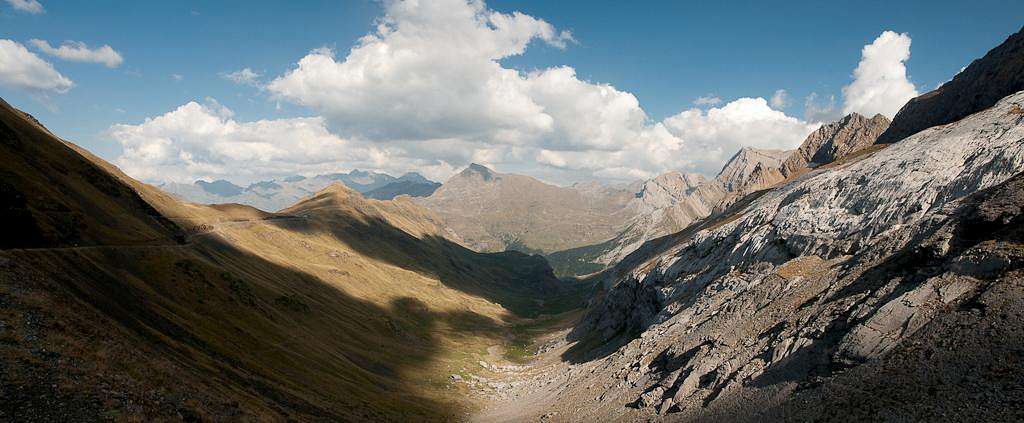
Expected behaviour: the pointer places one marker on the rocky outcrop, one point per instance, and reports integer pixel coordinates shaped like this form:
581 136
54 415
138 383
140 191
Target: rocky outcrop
835 270
735 176
833 141
672 201
750 170
984 82
665 190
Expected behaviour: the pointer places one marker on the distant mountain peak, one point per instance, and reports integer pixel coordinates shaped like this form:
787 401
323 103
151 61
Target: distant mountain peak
414 177
738 169
478 169
220 187
979 86
834 141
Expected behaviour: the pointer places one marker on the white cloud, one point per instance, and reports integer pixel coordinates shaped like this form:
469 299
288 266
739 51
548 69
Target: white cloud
880 82
177 76
245 76
430 70
707 100
780 99
824 111
712 137
203 141
20 68
426 91
429 79
77 51
27 6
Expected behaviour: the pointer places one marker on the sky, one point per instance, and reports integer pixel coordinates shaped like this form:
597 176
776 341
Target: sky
564 91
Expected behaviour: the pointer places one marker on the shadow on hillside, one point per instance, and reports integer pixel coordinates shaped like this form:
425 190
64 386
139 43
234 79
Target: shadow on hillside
993 214
612 322
523 284
267 338
206 331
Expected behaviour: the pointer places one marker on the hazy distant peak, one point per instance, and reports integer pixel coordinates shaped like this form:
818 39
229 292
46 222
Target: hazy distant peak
414 177
220 187
271 184
679 179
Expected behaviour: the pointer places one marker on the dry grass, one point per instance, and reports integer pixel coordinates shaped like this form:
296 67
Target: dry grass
342 309
801 267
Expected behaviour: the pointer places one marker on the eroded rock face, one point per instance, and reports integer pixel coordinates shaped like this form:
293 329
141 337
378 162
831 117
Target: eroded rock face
834 141
665 190
673 201
984 82
826 273
735 176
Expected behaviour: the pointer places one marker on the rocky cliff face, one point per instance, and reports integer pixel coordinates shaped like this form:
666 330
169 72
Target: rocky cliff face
735 175
869 262
668 203
673 201
833 141
984 82
665 190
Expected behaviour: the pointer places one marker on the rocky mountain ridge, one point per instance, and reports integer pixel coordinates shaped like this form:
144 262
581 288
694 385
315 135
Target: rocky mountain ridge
979 86
748 171
781 299
834 141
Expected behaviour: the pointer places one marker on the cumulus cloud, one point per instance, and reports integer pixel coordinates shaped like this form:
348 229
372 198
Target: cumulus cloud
820 110
430 73
20 68
430 70
717 134
780 99
707 100
881 84
204 141
245 76
426 91
77 51
28 6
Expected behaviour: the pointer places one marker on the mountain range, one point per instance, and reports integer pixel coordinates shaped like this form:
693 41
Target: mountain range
672 201
875 273
275 195
887 285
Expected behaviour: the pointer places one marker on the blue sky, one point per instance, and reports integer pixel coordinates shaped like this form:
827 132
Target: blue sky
666 54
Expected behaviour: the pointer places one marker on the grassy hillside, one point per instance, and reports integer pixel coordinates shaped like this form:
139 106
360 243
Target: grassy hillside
116 301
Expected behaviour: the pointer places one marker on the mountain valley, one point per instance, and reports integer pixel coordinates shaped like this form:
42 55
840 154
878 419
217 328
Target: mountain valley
867 269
